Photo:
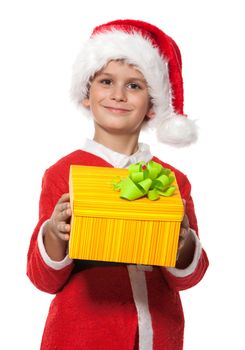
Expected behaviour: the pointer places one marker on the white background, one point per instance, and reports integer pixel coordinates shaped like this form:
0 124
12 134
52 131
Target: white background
39 124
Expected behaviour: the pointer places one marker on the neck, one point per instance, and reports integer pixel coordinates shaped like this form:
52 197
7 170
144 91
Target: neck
125 144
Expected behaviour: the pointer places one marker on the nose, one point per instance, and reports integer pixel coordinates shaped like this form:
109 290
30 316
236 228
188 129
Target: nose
118 93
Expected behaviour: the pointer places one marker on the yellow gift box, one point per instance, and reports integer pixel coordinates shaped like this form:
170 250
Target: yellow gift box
105 227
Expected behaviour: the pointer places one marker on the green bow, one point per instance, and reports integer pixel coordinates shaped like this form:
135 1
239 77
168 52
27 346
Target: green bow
146 179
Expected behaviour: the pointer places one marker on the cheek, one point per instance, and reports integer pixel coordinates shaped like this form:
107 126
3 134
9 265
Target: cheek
97 92
144 102
145 108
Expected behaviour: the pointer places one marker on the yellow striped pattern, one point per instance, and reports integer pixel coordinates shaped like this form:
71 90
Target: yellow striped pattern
105 227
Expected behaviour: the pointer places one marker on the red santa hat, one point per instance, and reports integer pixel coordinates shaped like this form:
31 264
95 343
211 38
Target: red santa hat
157 57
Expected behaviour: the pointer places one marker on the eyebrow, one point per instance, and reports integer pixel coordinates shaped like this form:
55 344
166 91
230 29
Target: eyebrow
130 78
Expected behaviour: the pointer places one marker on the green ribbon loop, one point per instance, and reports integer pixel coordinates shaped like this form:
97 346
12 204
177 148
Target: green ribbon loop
146 179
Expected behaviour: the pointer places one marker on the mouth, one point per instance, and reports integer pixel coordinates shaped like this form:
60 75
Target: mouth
117 110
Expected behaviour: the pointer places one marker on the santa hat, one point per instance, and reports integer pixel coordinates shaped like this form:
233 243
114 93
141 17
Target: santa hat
157 57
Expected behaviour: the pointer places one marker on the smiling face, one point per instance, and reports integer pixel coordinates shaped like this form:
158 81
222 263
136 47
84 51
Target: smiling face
118 99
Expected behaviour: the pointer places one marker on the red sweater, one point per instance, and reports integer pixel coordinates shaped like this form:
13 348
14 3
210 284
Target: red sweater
94 308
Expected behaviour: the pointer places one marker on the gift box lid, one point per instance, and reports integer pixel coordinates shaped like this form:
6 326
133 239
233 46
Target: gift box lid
93 195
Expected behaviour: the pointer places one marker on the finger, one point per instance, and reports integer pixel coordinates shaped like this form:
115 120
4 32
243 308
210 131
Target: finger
182 237
183 233
63 236
185 222
64 231
63 206
64 215
63 227
64 198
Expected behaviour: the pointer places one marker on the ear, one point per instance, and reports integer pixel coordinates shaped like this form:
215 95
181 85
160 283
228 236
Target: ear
86 103
150 114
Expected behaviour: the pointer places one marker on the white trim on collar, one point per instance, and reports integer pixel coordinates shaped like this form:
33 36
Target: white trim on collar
118 160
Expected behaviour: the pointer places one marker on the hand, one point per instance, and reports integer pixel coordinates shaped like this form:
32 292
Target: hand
186 245
59 223
184 230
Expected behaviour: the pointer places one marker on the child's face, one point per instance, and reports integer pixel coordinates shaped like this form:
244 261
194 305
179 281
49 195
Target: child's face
118 99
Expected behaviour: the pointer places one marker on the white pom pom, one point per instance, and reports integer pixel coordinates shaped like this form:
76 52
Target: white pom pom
177 130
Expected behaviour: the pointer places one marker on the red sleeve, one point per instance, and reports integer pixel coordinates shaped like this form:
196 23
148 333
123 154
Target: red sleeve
43 276
188 281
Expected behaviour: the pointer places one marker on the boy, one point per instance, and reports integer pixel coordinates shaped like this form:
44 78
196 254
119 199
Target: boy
127 76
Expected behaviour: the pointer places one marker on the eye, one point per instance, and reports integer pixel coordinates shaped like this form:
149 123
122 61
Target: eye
106 81
133 86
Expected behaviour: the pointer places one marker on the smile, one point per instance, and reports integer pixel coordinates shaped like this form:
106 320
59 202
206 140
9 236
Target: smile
116 110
